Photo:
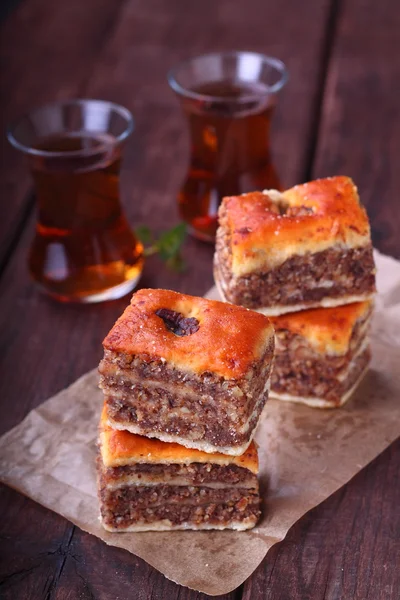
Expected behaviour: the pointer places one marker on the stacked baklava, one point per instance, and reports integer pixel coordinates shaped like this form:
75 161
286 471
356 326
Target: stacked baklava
185 381
306 251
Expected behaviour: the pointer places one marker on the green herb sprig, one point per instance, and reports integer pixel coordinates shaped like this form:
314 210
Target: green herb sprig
167 246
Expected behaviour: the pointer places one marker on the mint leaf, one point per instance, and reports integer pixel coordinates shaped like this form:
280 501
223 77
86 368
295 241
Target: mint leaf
167 246
144 234
169 242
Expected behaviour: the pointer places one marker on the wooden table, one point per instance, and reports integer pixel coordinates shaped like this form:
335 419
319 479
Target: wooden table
339 114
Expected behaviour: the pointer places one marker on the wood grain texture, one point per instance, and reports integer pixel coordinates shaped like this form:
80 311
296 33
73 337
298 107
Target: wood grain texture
346 548
46 54
94 570
33 548
134 67
360 129
59 54
146 39
58 342
121 51
60 562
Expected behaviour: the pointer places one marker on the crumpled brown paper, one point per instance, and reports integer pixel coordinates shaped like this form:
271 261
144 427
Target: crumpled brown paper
305 455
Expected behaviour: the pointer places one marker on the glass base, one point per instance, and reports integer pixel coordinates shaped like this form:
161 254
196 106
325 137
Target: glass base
112 293
199 235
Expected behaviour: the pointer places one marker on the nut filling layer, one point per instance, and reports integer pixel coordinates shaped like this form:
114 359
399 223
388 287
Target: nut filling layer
179 428
145 399
194 506
300 280
194 473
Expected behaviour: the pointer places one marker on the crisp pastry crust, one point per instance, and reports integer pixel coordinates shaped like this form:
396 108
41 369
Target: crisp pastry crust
121 448
267 228
228 339
166 525
326 330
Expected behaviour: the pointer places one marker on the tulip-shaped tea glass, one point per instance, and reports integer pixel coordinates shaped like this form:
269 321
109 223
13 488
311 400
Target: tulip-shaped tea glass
83 249
228 99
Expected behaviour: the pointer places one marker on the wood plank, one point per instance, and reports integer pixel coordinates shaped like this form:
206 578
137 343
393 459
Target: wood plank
133 73
360 128
48 345
60 562
43 556
37 72
128 576
346 548
251 25
47 51
33 548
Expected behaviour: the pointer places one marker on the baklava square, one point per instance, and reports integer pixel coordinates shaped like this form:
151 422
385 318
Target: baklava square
284 252
148 485
187 370
321 354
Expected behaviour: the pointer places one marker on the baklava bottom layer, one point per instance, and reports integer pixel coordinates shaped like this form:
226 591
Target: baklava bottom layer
147 506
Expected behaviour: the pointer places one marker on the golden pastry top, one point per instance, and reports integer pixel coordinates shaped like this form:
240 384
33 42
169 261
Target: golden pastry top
266 228
227 341
121 448
327 330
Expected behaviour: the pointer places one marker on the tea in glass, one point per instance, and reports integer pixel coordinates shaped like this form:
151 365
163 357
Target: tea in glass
84 249
229 100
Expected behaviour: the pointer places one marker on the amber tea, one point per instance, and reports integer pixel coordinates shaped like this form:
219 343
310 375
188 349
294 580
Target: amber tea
83 249
83 244
230 151
228 99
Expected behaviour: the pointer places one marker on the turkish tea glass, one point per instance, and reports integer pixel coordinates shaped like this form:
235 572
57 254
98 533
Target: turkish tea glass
228 99
84 249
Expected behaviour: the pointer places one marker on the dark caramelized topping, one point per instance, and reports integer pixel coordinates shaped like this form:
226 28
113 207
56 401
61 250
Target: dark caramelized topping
177 323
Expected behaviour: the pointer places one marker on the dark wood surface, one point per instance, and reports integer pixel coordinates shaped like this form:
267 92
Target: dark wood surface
339 114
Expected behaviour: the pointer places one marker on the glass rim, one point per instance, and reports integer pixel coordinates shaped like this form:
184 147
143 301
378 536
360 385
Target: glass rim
266 59
28 149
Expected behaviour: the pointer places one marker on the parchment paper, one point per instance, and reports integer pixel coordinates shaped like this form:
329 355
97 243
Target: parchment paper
305 455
